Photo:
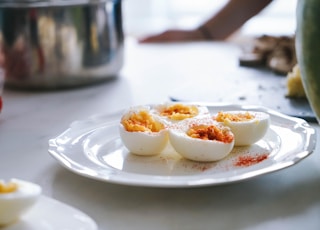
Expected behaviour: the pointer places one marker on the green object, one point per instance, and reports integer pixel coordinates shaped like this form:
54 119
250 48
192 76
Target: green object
308 50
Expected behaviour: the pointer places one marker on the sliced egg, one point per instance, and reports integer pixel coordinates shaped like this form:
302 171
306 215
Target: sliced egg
176 112
248 127
16 197
143 133
201 140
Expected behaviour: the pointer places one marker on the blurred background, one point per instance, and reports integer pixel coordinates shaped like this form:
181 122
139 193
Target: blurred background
143 17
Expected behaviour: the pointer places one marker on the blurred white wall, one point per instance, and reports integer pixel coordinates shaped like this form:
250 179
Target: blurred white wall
142 17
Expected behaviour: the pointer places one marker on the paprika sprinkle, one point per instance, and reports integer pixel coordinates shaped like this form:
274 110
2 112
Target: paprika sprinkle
250 160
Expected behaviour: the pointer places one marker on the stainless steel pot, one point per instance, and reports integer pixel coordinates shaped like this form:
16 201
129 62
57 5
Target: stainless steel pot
60 43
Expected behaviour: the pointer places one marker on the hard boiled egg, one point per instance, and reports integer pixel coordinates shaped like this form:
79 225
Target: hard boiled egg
143 133
176 112
248 127
16 197
201 140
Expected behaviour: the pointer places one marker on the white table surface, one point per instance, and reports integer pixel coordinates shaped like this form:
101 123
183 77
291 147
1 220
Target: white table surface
287 199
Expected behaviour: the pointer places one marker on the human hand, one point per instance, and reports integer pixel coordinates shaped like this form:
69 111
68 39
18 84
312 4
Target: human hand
175 36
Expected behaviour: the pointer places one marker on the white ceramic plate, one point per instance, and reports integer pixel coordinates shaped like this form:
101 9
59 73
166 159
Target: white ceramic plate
48 214
93 148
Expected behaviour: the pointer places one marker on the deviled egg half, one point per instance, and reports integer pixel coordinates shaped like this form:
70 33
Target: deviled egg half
248 127
201 140
142 132
16 198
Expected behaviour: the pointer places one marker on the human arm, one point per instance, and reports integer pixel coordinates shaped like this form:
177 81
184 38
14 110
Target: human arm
219 27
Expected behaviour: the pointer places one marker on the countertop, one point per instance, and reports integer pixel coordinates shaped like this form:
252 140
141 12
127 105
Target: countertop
286 199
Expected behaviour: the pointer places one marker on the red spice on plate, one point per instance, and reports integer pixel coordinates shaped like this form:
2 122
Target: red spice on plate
250 160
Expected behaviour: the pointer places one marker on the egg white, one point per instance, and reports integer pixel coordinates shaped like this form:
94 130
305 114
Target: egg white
144 143
14 204
251 131
198 149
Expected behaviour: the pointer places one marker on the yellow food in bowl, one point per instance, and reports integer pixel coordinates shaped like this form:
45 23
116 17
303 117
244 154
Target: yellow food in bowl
294 84
8 187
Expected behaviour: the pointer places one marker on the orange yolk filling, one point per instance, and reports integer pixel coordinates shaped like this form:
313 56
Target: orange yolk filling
180 112
8 188
141 122
211 132
222 117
